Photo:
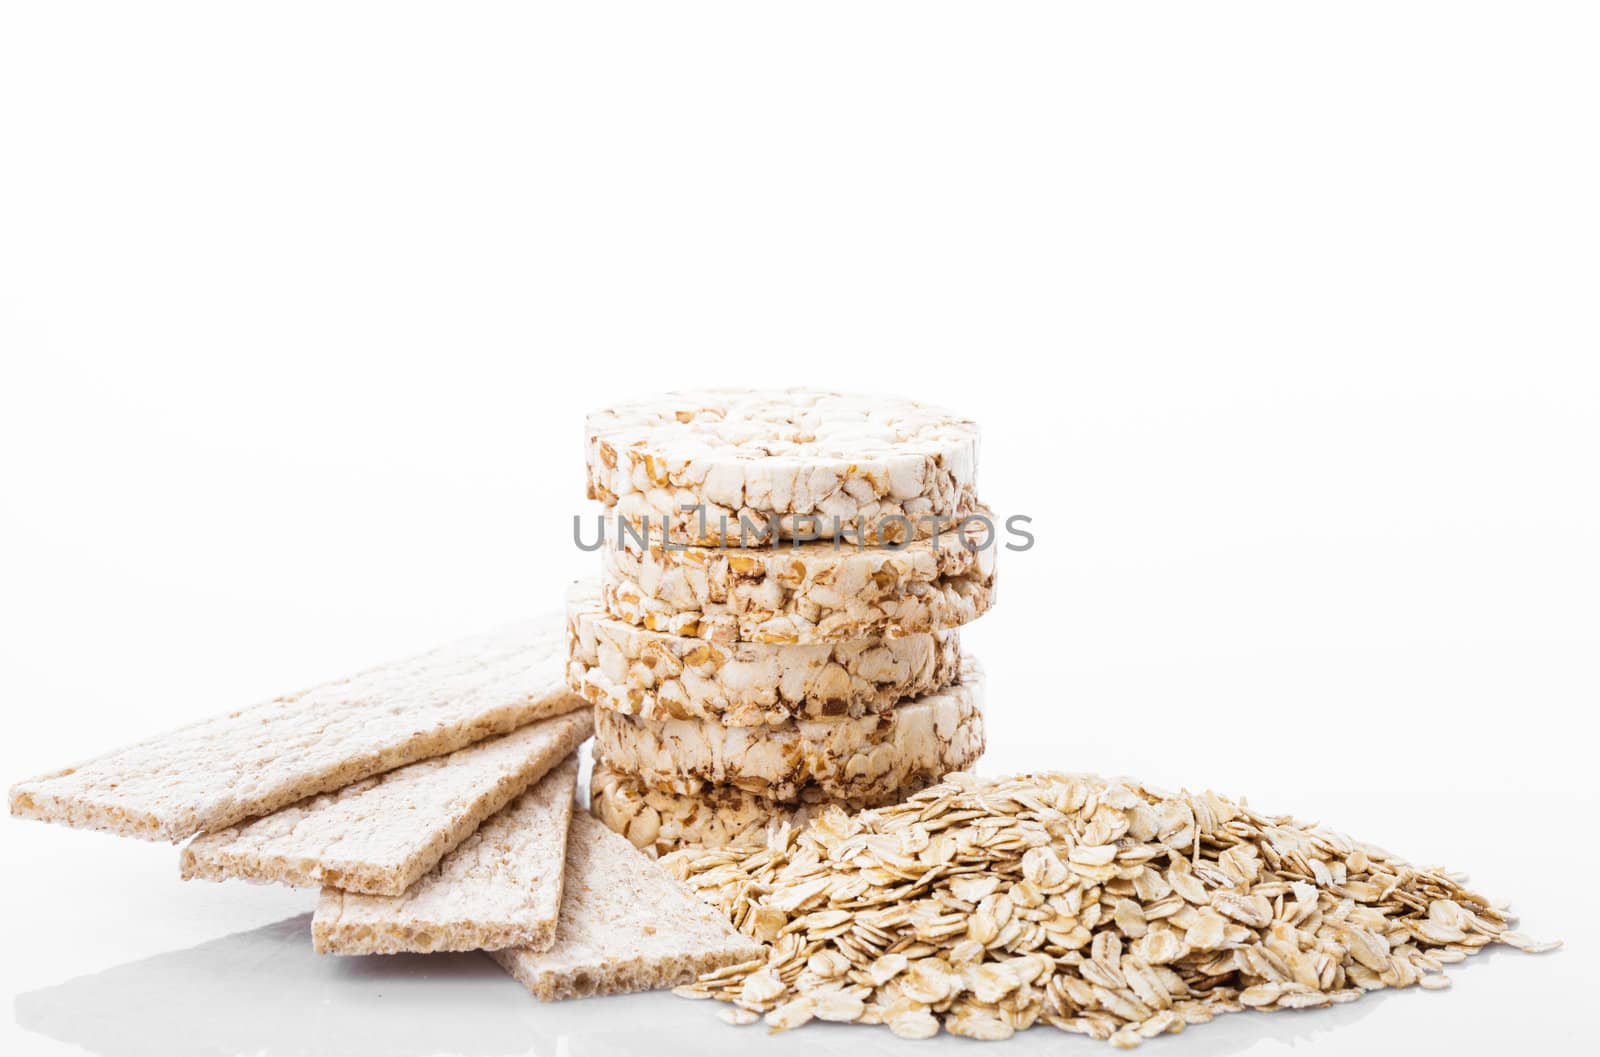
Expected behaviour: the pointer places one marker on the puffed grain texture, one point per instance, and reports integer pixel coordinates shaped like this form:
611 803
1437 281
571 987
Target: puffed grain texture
657 823
220 771
501 888
865 757
380 835
878 468
625 925
809 592
655 675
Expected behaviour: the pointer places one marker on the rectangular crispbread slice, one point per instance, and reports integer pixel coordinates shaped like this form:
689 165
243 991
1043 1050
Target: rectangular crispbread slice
500 888
381 834
220 771
625 925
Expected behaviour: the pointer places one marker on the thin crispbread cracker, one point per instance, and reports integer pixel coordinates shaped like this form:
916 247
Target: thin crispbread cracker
380 835
625 925
220 771
500 888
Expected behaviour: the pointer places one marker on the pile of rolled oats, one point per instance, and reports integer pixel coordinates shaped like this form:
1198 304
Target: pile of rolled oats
1097 906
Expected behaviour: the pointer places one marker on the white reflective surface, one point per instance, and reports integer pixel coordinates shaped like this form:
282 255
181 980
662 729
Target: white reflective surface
263 992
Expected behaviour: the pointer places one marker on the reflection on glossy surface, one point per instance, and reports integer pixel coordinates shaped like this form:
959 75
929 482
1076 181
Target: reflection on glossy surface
264 992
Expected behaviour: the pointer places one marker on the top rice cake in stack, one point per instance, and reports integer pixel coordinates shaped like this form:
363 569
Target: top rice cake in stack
801 457
783 577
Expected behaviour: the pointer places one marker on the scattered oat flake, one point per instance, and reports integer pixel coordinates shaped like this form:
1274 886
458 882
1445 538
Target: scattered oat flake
791 1014
1097 906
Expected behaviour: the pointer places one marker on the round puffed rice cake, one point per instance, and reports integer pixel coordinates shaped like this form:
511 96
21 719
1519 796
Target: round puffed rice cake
818 591
875 468
656 675
657 823
867 757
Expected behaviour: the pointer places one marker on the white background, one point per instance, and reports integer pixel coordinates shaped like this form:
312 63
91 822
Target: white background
1281 323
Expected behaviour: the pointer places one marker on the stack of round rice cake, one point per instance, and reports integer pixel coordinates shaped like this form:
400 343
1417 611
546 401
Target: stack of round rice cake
656 675
820 591
791 639
798 457
862 758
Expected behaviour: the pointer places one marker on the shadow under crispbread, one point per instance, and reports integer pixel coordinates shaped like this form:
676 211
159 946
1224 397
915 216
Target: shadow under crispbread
266 992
